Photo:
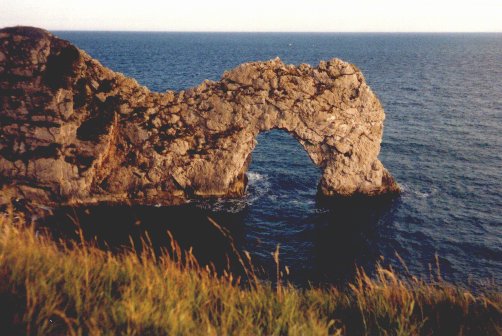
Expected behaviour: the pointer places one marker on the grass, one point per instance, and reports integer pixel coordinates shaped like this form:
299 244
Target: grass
49 287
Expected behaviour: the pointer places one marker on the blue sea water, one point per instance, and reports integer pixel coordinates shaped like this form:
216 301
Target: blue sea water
442 94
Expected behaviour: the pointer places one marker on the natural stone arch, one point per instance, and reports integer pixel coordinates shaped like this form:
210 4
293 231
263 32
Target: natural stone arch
74 131
330 110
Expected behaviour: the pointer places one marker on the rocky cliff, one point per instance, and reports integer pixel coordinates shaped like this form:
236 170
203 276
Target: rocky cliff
73 131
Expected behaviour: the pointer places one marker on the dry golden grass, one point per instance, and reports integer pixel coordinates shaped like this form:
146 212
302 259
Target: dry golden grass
49 287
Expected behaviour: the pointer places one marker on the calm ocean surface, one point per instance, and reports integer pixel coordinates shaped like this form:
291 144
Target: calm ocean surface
442 94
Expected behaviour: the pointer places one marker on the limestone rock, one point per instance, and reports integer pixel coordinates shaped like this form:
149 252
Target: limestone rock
73 131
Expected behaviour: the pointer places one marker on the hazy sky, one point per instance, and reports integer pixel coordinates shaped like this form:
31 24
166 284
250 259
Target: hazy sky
256 15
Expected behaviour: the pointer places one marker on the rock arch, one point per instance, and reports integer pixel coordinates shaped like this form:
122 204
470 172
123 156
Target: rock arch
73 131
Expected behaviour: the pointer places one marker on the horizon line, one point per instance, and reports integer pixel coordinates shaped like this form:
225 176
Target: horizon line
263 31
274 31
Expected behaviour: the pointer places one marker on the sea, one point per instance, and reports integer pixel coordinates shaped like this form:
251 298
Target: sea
442 94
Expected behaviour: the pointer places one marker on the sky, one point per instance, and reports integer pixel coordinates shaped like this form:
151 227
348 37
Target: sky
257 15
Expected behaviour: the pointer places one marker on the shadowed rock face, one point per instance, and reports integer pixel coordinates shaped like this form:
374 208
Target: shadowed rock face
73 131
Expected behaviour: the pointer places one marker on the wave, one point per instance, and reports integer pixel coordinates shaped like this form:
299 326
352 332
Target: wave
416 193
257 187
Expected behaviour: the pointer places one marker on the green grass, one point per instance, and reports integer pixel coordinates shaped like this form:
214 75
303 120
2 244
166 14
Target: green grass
49 287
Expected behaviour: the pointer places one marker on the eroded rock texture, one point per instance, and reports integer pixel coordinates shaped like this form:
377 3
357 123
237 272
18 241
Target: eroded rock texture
73 131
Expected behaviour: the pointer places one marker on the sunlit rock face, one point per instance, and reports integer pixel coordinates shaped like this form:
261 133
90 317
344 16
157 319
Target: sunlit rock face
73 131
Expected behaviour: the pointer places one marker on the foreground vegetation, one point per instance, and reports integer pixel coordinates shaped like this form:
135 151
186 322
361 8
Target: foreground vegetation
49 287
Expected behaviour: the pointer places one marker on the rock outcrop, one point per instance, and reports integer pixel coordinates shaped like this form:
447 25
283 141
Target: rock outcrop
73 131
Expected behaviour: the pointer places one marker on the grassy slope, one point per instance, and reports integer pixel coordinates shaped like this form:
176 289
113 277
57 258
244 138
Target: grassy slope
49 289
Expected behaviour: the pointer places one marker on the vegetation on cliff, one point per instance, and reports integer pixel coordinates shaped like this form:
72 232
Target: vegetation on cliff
49 287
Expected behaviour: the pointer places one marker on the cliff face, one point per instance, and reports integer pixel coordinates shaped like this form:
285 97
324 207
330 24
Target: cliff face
73 131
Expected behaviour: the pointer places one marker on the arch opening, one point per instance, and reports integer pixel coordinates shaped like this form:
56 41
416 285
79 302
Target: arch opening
277 173
281 171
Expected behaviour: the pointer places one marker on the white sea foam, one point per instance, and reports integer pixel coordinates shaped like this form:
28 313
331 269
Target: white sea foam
258 186
255 176
415 193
